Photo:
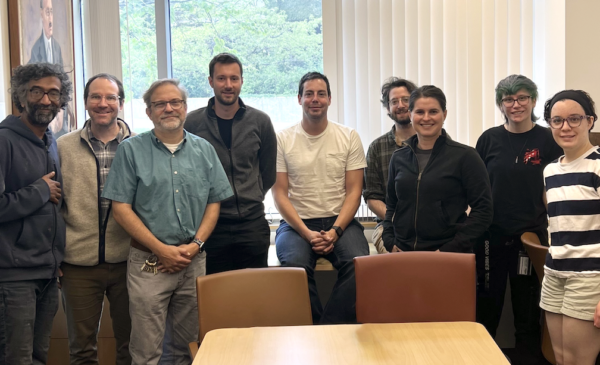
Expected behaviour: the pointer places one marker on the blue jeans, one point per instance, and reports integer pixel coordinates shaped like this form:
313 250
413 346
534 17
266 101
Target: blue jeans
27 310
294 251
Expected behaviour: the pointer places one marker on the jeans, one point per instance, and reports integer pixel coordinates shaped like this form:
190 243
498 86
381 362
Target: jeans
294 251
235 245
27 310
83 290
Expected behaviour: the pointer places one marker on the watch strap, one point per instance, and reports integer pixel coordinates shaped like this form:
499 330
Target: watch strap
338 230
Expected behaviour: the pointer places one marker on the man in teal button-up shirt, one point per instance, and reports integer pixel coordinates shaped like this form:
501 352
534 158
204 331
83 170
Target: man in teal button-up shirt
166 186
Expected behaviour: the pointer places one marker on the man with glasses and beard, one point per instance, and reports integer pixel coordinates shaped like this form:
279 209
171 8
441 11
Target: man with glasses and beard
32 231
395 94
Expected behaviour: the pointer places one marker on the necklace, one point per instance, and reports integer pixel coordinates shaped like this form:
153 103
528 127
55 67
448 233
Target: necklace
511 145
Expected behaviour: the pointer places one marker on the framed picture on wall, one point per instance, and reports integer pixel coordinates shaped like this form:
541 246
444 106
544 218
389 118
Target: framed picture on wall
42 31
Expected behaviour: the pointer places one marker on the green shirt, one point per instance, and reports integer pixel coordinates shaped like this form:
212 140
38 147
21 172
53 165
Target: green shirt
168 191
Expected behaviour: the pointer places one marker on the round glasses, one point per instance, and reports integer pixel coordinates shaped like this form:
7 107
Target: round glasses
396 102
161 105
37 93
522 100
97 99
572 120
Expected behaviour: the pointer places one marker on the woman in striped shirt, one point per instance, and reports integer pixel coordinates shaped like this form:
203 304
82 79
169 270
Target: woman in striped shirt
571 286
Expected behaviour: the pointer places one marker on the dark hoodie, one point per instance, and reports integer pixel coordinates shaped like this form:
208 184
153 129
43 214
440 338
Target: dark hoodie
32 231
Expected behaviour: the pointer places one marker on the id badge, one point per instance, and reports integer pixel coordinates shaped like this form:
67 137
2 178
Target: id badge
524 264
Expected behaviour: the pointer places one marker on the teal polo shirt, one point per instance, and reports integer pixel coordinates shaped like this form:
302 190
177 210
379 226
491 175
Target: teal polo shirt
168 191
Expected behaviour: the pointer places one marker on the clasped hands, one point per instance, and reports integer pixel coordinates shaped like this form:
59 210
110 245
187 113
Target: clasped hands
322 242
172 259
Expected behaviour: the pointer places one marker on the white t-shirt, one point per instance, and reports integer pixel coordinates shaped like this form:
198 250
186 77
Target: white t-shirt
317 165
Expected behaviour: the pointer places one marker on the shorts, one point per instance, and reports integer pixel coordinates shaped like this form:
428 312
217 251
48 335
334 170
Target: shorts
576 297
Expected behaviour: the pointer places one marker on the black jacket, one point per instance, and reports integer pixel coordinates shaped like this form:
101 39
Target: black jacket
250 164
32 231
426 212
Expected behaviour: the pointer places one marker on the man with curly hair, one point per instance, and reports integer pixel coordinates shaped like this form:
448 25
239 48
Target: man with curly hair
32 231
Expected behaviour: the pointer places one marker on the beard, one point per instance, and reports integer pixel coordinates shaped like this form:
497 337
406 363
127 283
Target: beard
396 118
40 114
226 102
171 124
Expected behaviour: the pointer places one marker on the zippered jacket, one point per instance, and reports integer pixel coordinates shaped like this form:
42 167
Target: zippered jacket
90 238
32 231
426 211
250 164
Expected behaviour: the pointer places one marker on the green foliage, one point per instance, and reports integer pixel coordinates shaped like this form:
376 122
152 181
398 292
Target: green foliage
277 41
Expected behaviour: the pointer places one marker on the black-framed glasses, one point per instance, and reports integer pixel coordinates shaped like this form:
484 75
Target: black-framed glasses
110 99
572 120
521 99
37 93
396 102
176 104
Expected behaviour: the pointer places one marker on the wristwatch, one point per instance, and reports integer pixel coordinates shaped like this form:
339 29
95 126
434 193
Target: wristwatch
200 244
338 230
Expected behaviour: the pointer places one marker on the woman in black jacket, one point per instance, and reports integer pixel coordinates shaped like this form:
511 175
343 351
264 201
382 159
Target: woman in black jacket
432 181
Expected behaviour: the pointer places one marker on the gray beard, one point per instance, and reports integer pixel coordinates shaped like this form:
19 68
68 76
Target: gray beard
37 118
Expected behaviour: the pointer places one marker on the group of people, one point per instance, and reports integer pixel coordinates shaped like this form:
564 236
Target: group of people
137 218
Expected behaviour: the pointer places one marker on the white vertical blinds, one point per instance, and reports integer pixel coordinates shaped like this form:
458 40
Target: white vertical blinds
462 46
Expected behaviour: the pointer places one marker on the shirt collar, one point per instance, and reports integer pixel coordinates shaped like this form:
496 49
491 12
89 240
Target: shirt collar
89 135
158 144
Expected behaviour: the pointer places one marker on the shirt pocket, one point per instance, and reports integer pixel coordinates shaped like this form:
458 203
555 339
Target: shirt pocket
195 186
335 164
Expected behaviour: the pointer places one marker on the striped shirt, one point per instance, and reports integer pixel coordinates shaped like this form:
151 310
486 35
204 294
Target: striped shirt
573 193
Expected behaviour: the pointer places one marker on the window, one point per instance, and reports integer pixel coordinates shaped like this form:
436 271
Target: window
277 41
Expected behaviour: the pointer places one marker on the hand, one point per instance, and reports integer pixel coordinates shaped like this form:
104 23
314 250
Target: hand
55 191
396 249
60 274
172 259
312 237
597 316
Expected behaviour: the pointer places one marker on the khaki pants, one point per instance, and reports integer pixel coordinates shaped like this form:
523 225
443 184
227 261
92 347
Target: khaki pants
164 311
83 290
378 238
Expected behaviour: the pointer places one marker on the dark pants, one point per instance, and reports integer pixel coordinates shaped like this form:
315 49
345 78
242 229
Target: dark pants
294 251
237 245
497 259
27 310
83 289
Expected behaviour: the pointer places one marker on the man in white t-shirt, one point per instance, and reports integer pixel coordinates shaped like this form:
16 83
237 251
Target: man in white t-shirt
318 189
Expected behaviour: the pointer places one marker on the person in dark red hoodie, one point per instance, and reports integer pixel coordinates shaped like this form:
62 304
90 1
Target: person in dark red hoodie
32 231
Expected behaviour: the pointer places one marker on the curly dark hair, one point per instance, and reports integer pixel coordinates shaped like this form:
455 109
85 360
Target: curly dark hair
22 75
392 83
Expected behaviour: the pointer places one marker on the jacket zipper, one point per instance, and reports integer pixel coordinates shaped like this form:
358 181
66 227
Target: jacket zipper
417 207
53 208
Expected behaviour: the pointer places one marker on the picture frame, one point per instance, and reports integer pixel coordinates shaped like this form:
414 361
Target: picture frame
35 27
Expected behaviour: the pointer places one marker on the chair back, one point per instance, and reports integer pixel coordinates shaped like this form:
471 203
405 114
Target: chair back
536 252
415 287
252 298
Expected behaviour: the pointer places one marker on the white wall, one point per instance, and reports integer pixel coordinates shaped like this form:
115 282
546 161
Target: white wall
5 103
582 51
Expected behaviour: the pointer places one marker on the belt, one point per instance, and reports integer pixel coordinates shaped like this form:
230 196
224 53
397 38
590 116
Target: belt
139 246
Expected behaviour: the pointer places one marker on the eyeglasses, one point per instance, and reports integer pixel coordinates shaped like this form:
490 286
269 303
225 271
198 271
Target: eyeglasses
176 104
572 120
522 100
110 99
37 93
396 102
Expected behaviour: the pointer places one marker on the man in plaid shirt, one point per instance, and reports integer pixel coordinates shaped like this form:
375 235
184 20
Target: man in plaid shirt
96 250
395 94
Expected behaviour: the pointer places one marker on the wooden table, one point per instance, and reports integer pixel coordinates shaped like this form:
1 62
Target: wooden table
451 343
